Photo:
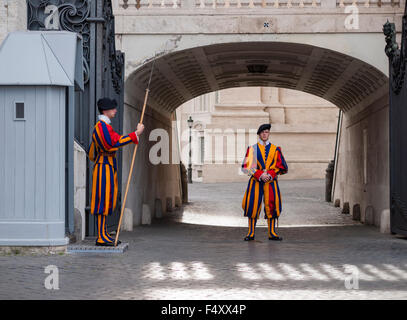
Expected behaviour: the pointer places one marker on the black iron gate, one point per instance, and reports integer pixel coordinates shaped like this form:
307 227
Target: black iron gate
398 127
103 68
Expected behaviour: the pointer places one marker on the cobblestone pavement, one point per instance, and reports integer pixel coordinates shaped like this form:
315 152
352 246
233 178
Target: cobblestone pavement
318 258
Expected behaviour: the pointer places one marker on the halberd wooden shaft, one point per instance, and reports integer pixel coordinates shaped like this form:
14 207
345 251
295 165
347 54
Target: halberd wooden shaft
130 173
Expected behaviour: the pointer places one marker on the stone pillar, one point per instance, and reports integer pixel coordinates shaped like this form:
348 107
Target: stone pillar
369 216
127 222
158 208
345 209
385 221
356 212
146 214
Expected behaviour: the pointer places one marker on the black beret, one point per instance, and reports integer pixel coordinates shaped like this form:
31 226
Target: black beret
263 127
106 104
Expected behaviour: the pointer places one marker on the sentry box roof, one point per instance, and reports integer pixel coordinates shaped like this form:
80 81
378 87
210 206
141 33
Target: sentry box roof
41 58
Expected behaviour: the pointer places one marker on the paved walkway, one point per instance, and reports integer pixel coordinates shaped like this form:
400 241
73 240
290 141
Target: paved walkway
173 260
221 205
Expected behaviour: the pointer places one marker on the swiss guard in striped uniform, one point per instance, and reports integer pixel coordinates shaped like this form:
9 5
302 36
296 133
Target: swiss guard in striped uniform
102 151
263 163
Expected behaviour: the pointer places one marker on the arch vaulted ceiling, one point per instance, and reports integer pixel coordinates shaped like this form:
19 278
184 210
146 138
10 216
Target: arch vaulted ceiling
180 76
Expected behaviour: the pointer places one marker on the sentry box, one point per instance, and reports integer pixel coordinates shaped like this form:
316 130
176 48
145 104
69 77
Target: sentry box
39 70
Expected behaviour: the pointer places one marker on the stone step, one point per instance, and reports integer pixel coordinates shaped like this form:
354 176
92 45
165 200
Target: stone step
88 246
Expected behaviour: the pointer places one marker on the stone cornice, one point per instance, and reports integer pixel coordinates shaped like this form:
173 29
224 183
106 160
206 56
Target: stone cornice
232 24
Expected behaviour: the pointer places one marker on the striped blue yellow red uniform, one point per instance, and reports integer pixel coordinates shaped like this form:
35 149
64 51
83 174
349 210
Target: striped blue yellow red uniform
258 160
102 151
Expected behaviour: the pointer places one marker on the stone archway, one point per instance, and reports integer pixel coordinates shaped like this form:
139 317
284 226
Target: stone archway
358 88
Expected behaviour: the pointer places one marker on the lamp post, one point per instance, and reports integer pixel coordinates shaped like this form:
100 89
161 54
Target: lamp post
190 122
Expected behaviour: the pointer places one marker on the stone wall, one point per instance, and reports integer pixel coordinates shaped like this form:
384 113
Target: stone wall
362 176
154 188
79 191
13 16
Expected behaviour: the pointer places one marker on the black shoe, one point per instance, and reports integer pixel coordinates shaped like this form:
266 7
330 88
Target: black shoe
105 244
276 238
248 238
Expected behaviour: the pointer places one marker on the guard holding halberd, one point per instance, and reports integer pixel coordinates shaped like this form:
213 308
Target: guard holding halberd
102 151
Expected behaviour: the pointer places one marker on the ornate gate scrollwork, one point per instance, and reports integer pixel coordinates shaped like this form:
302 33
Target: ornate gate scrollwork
397 57
116 58
62 15
75 16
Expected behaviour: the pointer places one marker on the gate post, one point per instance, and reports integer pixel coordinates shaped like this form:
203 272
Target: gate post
397 127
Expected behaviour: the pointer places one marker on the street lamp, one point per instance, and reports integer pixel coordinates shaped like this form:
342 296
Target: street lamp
190 122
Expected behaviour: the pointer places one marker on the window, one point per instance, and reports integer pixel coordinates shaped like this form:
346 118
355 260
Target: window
19 111
202 141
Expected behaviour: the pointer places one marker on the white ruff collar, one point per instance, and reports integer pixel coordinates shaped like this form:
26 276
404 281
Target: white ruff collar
104 118
264 143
